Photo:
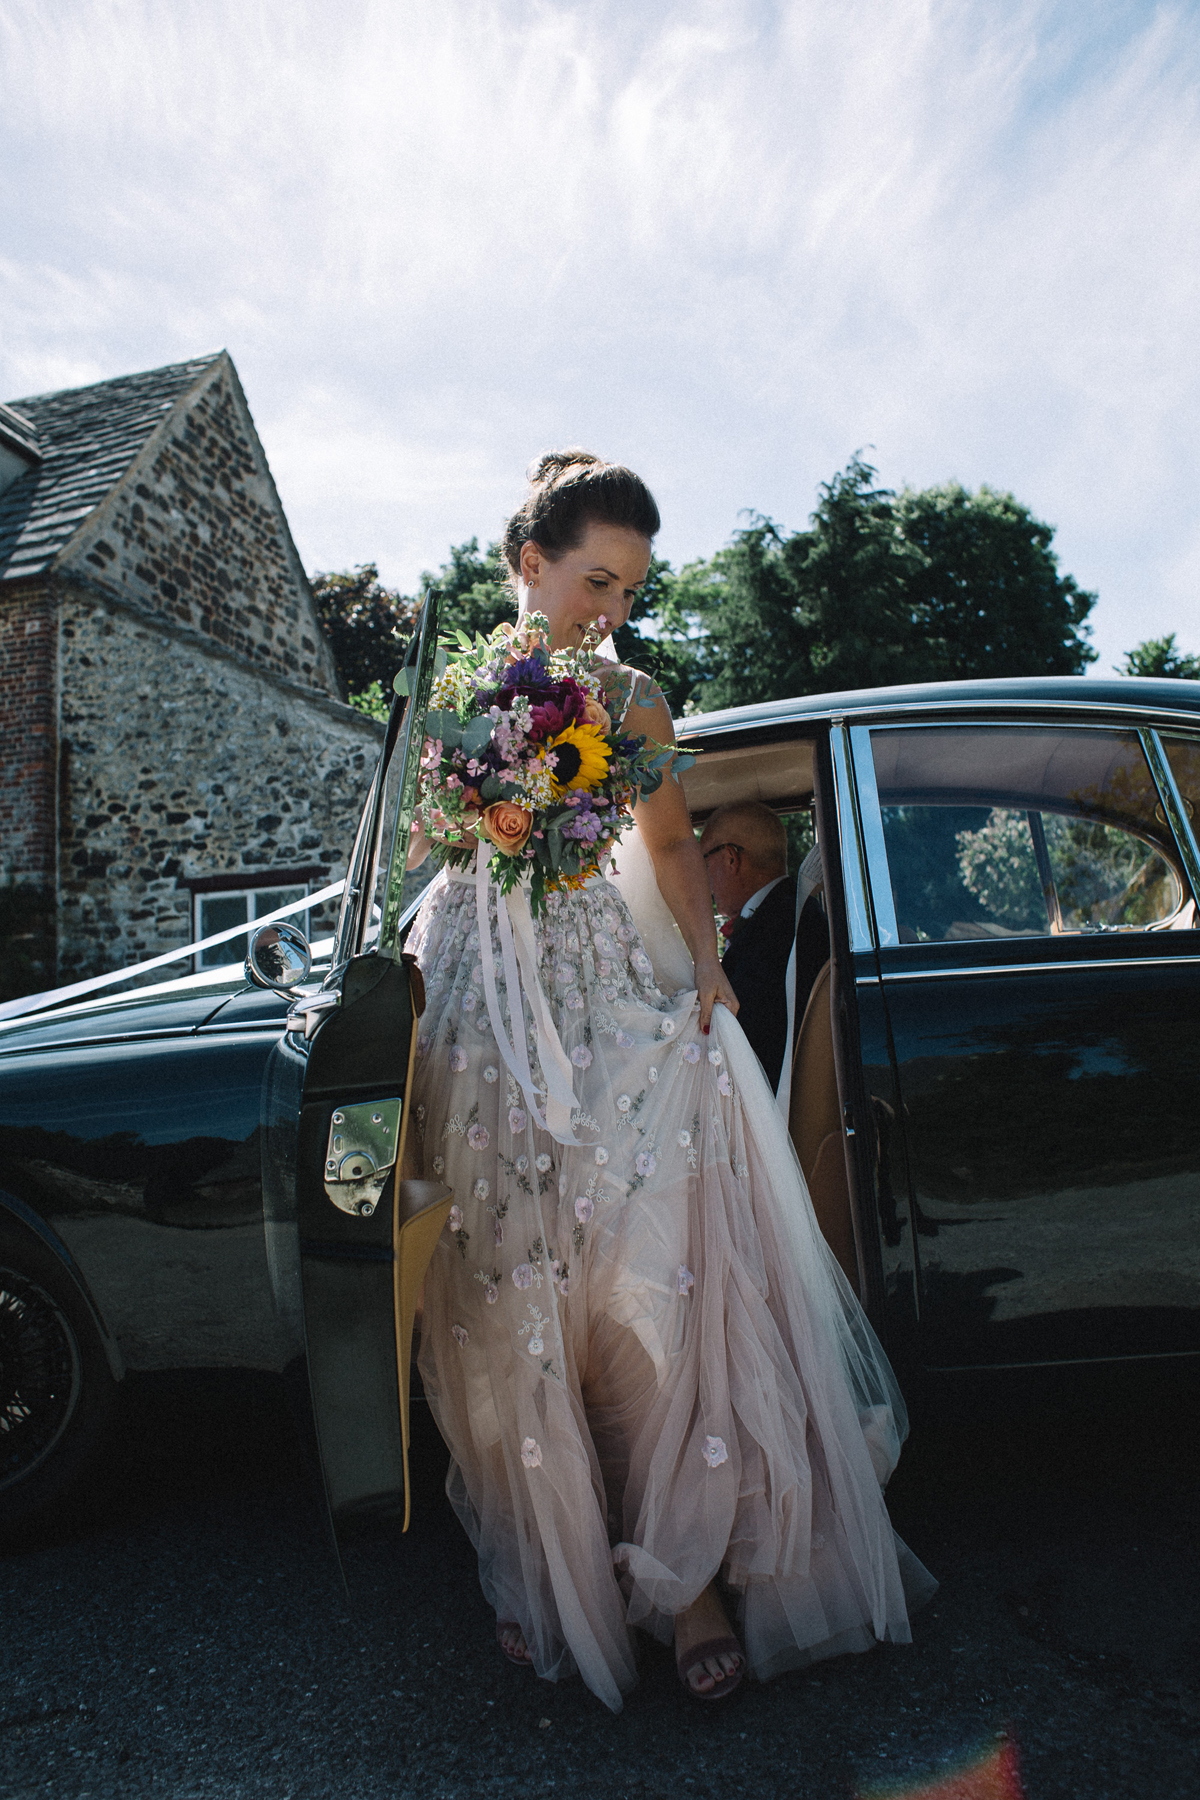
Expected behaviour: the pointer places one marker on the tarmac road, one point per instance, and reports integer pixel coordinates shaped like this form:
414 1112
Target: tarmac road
185 1635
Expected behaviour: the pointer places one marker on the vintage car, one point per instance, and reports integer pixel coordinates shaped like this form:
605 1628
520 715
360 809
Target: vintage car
995 1091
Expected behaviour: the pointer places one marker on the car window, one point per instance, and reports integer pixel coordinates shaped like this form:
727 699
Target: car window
999 831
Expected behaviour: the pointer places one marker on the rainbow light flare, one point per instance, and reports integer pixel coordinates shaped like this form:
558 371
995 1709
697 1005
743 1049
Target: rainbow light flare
989 1774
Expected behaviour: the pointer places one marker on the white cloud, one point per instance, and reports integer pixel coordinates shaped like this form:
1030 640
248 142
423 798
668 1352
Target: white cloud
729 243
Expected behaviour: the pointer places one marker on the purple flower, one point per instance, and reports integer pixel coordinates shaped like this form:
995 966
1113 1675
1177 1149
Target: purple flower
685 1279
461 1336
516 1120
531 1453
581 1056
714 1452
647 1162
455 1219
522 1276
458 1059
477 1137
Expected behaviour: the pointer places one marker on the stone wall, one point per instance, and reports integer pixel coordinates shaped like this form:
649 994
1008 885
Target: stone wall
195 536
27 736
177 763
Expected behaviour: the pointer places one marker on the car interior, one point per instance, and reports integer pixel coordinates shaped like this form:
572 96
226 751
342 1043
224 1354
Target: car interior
781 776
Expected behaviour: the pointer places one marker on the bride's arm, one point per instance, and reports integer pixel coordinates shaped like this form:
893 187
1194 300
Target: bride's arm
666 830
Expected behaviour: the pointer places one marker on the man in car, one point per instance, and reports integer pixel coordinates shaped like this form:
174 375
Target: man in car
744 846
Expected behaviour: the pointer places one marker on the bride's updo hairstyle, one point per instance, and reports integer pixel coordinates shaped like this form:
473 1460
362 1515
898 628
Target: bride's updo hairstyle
570 490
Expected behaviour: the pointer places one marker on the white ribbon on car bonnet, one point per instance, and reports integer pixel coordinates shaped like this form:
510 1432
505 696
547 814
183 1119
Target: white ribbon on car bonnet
12 1009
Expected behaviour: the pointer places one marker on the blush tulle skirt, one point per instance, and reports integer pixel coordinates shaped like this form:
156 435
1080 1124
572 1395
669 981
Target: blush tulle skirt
646 1363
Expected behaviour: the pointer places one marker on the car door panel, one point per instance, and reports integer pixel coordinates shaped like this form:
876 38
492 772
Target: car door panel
1046 1048
365 1229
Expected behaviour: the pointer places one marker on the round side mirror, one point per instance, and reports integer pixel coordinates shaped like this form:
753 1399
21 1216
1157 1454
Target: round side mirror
278 957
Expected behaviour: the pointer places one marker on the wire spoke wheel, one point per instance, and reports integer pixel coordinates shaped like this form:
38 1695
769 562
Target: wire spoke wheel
41 1373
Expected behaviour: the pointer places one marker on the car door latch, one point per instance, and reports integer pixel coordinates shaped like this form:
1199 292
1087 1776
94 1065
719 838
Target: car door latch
361 1154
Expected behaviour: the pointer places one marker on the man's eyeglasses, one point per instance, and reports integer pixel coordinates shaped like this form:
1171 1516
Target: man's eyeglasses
716 847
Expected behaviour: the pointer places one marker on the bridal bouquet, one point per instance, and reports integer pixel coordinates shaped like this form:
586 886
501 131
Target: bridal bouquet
521 752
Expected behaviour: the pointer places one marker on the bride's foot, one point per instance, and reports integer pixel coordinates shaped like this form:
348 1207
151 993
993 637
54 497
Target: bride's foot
511 1640
707 1655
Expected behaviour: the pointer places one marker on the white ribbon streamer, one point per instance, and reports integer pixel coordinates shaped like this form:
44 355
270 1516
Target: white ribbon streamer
518 953
12 1009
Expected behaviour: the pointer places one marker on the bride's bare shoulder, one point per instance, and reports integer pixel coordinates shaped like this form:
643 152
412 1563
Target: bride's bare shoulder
623 684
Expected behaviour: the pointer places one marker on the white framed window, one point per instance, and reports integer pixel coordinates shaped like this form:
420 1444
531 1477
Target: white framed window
228 907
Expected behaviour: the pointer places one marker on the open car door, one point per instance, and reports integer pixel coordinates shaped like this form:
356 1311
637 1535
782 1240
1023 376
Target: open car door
367 1229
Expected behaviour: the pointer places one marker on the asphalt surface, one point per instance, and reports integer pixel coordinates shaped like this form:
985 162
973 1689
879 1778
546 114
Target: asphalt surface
184 1634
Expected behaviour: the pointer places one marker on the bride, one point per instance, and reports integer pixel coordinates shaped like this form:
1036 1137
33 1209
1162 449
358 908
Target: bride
655 1384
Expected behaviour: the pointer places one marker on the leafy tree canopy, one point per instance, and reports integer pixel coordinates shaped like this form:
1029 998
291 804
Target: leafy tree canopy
940 584
1160 656
365 623
473 590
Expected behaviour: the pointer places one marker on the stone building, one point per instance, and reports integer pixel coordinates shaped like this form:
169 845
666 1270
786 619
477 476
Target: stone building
175 754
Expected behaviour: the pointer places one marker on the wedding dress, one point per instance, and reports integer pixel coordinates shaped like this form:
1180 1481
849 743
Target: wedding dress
645 1361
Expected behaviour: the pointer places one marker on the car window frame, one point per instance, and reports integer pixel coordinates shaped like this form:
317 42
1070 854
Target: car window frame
872 918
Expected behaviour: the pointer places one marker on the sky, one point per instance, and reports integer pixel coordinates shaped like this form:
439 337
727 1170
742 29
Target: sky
729 244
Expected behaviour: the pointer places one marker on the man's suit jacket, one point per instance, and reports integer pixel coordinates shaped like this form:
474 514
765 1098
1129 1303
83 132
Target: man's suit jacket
756 964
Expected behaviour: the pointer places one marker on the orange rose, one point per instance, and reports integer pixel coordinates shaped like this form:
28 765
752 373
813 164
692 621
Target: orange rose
594 714
507 826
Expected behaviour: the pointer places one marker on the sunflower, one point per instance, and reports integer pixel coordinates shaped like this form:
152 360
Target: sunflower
582 758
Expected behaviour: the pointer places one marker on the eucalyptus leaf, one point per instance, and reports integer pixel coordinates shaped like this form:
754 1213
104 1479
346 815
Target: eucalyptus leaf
489 788
401 684
554 839
477 735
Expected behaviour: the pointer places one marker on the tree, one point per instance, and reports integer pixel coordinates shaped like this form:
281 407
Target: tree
1159 656
365 623
473 590
935 585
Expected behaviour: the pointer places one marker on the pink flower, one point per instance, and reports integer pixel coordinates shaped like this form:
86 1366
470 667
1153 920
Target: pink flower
516 1120
455 1220
724 1086
522 1276
477 1137
458 1059
647 1162
491 1293
461 1337
497 1234
584 1208
581 1056
714 1452
531 1453
685 1279
691 1053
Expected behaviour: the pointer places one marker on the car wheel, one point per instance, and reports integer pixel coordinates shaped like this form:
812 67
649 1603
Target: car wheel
56 1389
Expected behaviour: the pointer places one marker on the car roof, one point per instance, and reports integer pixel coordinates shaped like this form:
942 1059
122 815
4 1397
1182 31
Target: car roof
1143 695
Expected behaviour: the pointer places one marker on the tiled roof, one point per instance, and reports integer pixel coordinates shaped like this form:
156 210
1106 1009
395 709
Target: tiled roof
88 437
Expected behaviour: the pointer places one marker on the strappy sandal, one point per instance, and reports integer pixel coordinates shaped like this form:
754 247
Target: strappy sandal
699 1653
503 1625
